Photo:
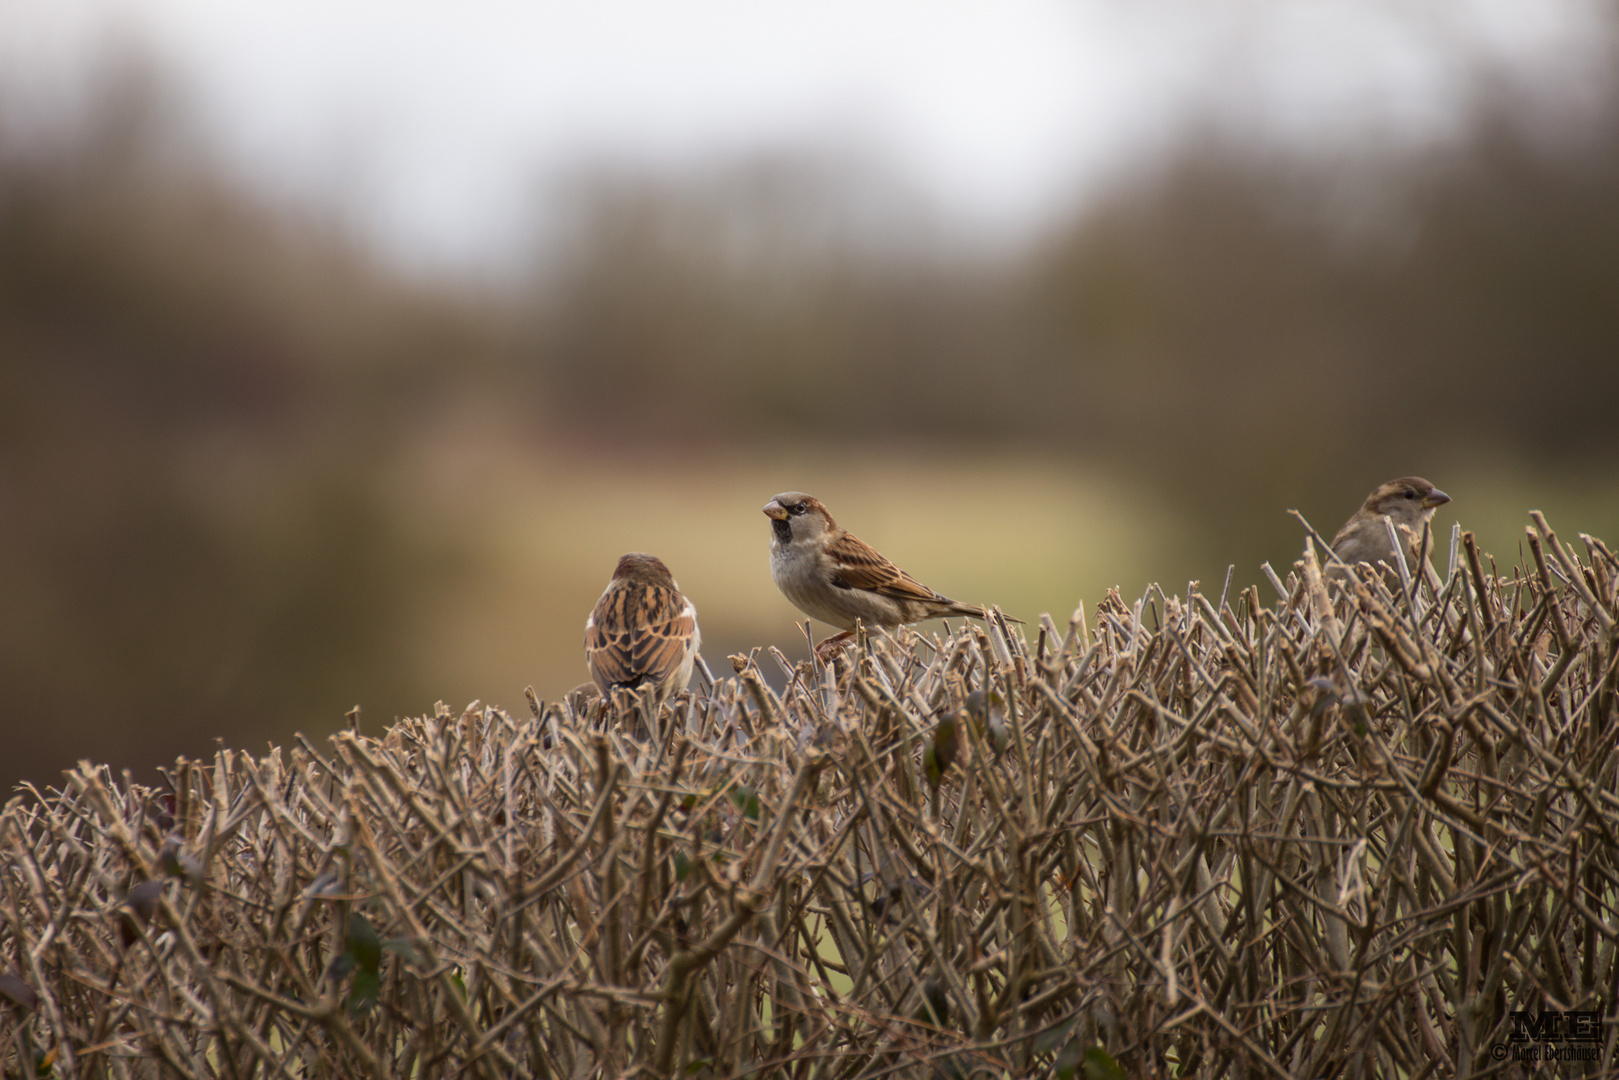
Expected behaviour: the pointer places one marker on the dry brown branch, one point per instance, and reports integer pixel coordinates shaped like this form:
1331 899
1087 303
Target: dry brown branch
1343 836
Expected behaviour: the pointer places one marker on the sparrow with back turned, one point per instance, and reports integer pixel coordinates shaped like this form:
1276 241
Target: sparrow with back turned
835 577
1408 502
643 631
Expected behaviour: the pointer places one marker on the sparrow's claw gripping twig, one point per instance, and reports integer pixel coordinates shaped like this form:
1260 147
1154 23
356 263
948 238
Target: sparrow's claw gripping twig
827 648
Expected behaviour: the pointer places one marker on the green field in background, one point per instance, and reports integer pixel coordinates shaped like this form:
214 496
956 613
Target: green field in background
1031 533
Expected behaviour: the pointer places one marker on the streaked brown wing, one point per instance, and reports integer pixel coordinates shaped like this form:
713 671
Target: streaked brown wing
609 659
638 633
660 650
858 565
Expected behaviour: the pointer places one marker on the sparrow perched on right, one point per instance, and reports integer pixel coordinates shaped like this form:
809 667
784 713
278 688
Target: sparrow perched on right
1409 501
642 631
831 575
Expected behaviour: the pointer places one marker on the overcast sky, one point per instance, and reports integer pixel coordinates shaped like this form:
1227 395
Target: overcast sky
435 124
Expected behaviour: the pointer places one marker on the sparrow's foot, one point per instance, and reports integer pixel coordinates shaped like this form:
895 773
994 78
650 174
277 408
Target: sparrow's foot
829 647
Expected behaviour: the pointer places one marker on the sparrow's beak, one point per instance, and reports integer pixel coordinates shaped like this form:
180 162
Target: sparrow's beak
1434 498
774 509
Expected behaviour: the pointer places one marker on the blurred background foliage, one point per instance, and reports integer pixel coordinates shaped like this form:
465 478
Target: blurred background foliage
251 475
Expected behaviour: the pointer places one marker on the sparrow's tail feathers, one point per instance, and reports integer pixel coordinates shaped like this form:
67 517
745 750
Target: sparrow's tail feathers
979 611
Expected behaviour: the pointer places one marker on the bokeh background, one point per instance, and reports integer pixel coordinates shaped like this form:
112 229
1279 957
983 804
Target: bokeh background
343 348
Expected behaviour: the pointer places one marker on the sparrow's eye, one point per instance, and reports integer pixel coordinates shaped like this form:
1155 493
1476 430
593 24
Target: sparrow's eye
1410 494
796 510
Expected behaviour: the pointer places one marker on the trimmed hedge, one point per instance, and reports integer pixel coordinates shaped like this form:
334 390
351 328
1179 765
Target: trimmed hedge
1346 834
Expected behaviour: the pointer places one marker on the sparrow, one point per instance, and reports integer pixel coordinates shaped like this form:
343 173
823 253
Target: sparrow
643 631
1408 502
835 577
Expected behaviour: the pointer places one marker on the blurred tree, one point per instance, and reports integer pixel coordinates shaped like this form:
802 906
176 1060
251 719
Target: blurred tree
199 397
1242 327
778 297
1281 350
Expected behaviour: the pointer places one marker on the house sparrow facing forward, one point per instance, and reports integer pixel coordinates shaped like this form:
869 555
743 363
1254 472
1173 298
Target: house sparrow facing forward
642 631
1409 502
837 578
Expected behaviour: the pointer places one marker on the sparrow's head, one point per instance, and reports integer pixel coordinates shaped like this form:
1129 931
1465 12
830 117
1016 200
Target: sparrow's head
640 567
796 516
1410 500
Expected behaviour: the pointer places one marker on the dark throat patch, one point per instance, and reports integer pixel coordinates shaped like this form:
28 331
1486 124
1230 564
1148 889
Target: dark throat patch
783 530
